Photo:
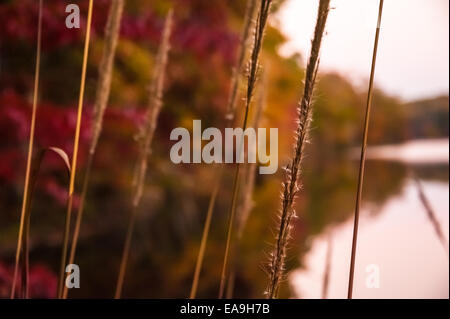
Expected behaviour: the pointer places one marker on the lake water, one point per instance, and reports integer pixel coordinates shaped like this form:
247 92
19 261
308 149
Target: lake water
399 241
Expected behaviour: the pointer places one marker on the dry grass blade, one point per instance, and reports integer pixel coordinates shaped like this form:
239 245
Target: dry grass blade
363 157
75 151
231 111
201 253
260 26
35 168
30 149
246 202
146 138
431 214
102 96
155 104
106 66
291 185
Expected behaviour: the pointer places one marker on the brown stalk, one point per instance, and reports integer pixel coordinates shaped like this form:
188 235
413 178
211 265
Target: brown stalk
30 150
146 138
260 26
291 186
326 273
102 96
206 227
231 111
75 153
246 203
363 156
35 168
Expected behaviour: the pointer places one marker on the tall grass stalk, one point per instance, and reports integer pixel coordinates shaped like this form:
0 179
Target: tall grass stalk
246 204
248 184
260 26
363 156
291 185
102 96
75 152
146 138
231 111
30 149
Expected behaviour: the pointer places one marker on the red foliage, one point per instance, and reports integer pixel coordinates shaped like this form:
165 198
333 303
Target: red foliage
201 30
204 32
55 126
42 281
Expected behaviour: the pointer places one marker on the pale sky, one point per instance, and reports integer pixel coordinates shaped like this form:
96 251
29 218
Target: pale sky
413 49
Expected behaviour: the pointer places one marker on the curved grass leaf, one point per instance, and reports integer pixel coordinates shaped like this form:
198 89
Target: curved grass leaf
35 169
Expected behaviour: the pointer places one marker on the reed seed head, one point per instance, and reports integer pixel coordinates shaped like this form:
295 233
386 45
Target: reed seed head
291 185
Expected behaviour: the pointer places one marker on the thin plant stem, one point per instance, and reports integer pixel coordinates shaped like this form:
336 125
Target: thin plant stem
125 254
35 168
231 112
291 186
260 26
232 277
26 259
327 270
75 151
102 96
201 253
363 157
145 140
246 202
62 265
30 149
223 276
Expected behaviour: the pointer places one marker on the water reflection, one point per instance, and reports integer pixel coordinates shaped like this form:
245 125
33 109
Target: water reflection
395 234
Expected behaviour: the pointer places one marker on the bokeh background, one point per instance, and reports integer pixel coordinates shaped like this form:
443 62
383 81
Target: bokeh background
408 134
